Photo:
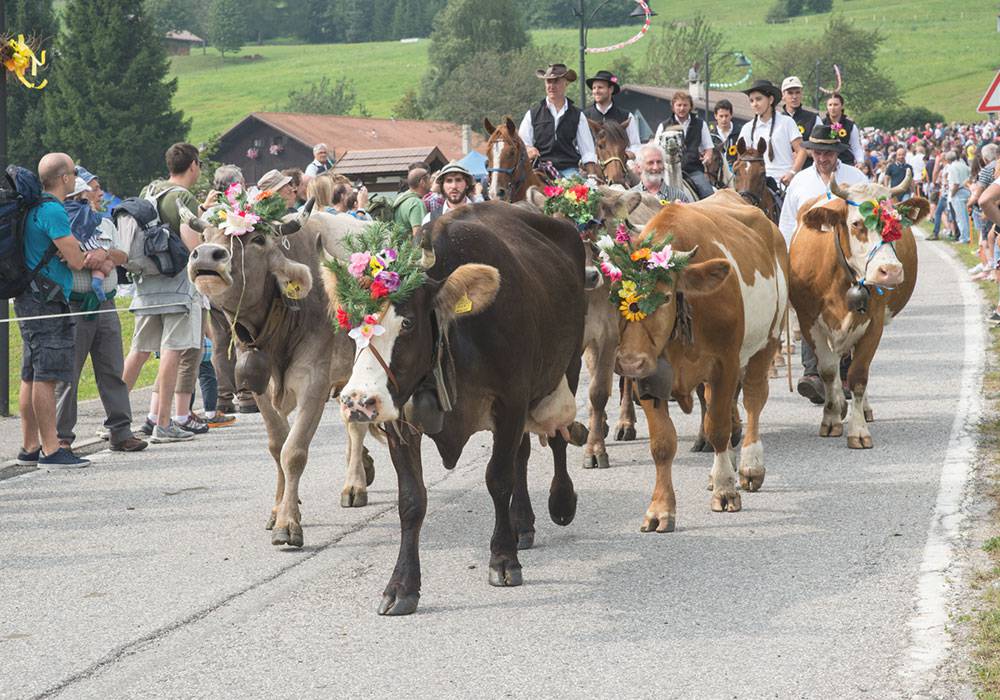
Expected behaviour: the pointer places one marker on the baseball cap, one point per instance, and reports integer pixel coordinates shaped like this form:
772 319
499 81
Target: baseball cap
791 81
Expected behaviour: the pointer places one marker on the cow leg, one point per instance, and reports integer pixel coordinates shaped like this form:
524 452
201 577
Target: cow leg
661 515
858 436
834 407
869 413
562 495
625 428
355 492
294 454
277 432
719 429
755 392
522 516
700 443
505 569
402 593
600 367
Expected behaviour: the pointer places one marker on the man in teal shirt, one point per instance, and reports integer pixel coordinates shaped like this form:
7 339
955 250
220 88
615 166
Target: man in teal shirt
48 343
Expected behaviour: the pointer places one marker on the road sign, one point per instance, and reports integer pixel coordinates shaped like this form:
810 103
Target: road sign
991 100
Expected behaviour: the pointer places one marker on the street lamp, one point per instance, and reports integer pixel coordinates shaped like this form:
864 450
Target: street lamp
581 11
741 61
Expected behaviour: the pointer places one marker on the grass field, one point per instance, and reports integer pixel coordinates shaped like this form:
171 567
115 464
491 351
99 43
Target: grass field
942 54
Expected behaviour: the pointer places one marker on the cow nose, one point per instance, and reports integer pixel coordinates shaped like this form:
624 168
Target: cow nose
501 193
631 365
220 255
890 275
359 407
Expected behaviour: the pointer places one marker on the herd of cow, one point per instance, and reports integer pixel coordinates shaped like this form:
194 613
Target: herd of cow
511 304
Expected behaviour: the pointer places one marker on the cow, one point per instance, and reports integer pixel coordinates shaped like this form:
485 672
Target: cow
501 314
847 283
719 323
288 351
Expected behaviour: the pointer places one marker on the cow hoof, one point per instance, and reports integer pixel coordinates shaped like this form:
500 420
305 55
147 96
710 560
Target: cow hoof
526 540
295 538
353 498
279 536
726 502
590 461
863 442
562 506
369 463
602 461
391 605
505 575
662 523
699 444
751 478
869 416
626 434
270 522
834 430
736 437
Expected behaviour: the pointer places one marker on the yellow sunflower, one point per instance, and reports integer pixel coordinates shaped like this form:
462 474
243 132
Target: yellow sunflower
630 308
802 129
627 290
842 133
732 150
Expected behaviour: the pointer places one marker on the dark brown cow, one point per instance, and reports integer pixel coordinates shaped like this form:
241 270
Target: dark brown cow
832 253
515 342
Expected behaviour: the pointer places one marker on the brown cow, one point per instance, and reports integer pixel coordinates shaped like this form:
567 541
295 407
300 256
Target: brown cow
846 284
720 323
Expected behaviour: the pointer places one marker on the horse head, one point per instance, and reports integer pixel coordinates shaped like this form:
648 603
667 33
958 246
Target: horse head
611 142
750 175
507 161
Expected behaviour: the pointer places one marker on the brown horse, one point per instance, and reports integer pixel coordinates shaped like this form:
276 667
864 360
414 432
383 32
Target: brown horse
507 163
750 179
611 141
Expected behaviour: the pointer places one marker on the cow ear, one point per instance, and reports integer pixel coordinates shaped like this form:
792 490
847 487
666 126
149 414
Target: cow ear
820 218
294 279
704 278
741 146
629 202
536 197
915 209
488 125
470 289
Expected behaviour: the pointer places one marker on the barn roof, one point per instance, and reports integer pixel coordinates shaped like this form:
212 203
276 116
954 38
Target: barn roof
184 36
388 161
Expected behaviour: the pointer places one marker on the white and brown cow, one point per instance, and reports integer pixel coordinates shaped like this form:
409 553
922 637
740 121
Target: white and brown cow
846 284
719 326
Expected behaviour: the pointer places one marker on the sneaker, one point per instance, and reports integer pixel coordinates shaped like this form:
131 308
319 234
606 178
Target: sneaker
28 459
193 426
172 433
62 459
220 420
977 268
995 316
147 427
129 444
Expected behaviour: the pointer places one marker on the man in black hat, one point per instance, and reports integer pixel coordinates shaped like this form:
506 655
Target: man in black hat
697 142
556 130
825 147
603 87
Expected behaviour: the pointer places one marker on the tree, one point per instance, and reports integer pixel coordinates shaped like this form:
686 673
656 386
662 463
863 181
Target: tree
324 97
25 119
855 50
673 50
226 28
408 107
893 118
175 15
108 103
559 13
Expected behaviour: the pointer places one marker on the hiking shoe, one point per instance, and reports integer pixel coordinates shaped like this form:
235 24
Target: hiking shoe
193 425
812 388
129 444
249 407
28 459
172 433
220 420
147 427
62 459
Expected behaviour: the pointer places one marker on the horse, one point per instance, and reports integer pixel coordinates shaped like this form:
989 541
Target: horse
510 170
671 140
750 179
719 170
611 142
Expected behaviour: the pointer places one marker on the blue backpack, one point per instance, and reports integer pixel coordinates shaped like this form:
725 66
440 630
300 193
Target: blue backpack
20 192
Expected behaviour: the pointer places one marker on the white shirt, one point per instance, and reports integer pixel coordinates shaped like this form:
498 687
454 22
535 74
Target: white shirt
806 185
916 161
786 131
855 144
445 208
706 137
584 139
632 130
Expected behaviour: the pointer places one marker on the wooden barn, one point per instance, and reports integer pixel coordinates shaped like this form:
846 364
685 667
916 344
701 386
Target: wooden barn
180 43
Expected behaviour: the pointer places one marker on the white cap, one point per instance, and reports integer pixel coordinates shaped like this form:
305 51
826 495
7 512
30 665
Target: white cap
791 81
79 186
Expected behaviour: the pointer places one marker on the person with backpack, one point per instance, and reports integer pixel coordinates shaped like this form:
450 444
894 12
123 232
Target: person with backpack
408 210
50 253
167 306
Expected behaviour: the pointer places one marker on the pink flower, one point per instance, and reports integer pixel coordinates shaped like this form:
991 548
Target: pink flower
359 264
389 279
232 192
621 234
387 256
363 334
662 258
553 190
611 272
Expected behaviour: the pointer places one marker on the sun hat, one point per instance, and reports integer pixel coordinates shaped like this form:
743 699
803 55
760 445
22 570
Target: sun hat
273 180
556 70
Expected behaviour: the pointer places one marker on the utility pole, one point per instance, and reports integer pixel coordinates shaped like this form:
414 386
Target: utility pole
5 310
582 9
708 77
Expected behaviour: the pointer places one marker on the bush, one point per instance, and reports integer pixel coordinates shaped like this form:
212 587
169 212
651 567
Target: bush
892 118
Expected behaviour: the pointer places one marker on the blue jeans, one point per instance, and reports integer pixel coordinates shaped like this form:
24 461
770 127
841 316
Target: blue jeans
942 203
209 385
960 202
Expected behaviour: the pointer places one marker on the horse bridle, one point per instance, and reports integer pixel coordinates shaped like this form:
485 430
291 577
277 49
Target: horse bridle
522 163
754 198
612 159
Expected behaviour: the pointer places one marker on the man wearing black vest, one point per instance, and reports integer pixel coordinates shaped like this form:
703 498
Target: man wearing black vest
697 142
556 130
791 94
603 87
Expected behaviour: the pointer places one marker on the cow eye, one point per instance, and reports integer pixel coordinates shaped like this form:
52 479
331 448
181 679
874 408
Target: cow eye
258 239
406 324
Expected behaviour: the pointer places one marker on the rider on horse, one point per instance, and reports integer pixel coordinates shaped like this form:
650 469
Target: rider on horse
805 120
603 87
784 154
697 142
556 130
725 130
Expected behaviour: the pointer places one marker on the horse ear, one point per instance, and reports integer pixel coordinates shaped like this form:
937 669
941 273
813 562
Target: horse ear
741 146
488 125
761 145
594 126
511 126
628 120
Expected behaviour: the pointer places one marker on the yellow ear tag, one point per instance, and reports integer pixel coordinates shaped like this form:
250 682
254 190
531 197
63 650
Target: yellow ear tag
293 290
463 305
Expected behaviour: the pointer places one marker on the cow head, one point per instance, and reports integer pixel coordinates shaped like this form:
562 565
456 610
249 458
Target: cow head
233 271
861 218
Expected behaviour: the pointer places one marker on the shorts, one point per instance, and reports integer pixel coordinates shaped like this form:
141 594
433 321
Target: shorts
49 352
176 331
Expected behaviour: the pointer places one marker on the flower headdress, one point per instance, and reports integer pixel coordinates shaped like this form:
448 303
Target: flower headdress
573 199
384 269
633 271
881 215
245 210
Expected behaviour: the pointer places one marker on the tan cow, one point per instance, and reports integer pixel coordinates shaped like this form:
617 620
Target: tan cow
720 325
846 284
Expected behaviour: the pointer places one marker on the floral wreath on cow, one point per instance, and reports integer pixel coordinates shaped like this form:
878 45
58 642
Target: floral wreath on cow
635 269
881 215
384 268
243 210
574 199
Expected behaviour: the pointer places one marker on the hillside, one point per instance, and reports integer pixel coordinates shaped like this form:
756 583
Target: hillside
942 55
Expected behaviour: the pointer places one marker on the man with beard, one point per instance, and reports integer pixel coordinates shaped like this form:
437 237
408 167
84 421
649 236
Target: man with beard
651 160
456 183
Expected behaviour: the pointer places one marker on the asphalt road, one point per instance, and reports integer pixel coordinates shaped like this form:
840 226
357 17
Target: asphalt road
152 576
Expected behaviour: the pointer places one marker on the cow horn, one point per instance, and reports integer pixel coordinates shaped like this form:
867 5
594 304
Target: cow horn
904 186
188 217
427 257
685 256
836 190
289 227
